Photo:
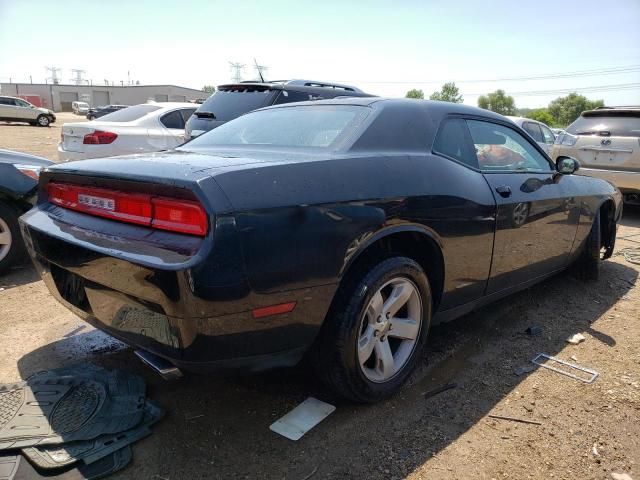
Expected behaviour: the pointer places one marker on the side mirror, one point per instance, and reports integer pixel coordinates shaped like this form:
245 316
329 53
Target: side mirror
567 165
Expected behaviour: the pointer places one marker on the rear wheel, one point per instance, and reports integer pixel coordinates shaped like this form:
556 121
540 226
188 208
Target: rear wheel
10 239
376 329
43 121
589 261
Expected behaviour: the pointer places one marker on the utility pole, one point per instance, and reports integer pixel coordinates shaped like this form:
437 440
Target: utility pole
260 69
54 74
78 80
236 68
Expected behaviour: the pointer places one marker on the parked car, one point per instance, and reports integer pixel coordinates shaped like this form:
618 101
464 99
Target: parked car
231 101
101 111
80 108
13 109
606 142
341 229
18 183
540 132
149 127
557 131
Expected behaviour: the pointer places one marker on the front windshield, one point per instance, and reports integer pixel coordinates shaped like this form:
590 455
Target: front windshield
319 126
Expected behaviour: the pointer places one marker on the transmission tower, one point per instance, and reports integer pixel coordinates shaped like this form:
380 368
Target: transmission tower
54 74
261 70
237 69
78 80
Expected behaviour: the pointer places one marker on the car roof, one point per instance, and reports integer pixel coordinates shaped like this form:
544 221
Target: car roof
300 85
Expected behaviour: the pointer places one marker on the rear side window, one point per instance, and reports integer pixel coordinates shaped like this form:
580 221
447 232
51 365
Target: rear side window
533 129
298 126
186 113
292 96
452 141
130 114
616 126
173 120
229 104
7 101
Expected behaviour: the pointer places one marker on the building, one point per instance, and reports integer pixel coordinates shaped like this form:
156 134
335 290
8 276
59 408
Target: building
59 97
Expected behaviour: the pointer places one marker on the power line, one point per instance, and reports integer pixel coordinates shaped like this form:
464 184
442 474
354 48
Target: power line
558 75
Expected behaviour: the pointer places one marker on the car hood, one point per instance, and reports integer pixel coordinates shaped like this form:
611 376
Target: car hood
45 110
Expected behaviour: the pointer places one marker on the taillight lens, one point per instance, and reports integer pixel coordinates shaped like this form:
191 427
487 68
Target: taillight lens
176 215
99 137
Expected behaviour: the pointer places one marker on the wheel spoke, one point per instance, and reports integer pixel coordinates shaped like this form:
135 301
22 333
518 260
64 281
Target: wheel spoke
399 296
385 365
366 342
5 238
405 328
374 310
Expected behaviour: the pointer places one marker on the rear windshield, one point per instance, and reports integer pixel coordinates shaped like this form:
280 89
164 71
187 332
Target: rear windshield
229 104
607 125
130 114
319 126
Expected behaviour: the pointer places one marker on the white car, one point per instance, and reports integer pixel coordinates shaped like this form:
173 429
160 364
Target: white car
149 127
541 133
80 108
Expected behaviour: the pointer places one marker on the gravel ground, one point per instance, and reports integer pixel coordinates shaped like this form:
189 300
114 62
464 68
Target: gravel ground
219 427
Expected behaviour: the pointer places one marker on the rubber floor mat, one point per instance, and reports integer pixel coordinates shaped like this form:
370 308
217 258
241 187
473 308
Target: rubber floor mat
102 468
9 466
53 409
53 457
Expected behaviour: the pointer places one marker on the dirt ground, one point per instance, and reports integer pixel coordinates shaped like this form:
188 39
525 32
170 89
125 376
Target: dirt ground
219 428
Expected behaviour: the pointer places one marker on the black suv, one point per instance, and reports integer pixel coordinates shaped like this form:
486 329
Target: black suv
98 112
231 101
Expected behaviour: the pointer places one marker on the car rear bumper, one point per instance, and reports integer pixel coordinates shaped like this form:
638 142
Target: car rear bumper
172 304
67 156
627 182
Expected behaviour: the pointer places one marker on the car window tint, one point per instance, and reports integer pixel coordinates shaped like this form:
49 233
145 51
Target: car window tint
7 101
548 135
186 113
500 148
173 120
293 96
22 103
533 129
294 126
130 114
452 141
620 125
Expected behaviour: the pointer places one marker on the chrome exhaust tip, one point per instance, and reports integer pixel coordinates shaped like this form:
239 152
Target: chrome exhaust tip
163 367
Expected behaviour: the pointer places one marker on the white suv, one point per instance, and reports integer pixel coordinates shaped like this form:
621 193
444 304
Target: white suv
14 109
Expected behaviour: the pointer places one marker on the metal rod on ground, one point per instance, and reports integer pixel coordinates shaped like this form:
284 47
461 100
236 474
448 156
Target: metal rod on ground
512 419
438 390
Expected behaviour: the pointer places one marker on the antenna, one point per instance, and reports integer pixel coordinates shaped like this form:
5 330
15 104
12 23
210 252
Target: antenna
78 80
54 74
237 69
260 69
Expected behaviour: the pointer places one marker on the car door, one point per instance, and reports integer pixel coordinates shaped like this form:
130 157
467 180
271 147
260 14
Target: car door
537 218
25 110
5 107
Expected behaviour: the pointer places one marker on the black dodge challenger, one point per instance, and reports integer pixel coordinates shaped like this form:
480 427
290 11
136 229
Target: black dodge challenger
341 229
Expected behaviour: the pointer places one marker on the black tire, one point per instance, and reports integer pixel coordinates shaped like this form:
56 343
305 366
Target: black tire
590 258
14 250
335 356
43 121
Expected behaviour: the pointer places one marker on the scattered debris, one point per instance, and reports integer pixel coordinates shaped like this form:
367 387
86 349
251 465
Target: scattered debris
594 450
436 391
534 330
313 472
574 358
519 371
592 374
630 254
513 419
620 476
576 339
193 417
302 418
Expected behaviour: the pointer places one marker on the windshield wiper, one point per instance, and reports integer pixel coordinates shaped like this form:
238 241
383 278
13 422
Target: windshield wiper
205 115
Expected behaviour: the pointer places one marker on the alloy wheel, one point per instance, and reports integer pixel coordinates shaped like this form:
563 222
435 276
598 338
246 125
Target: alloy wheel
5 239
389 329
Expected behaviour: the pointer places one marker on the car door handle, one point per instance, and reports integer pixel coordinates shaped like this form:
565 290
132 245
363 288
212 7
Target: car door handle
504 191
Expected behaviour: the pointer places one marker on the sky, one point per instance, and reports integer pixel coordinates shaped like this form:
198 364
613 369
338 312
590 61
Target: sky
384 47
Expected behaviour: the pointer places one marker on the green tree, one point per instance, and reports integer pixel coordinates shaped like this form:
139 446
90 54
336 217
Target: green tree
448 93
541 115
415 93
209 89
498 102
566 109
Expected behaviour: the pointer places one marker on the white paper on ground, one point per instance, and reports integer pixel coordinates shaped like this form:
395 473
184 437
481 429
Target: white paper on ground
302 418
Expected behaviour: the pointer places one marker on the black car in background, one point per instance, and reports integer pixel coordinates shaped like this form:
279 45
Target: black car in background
98 112
231 101
341 229
19 174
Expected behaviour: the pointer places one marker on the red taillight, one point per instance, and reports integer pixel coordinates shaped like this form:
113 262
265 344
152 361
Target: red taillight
176 215
99 138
